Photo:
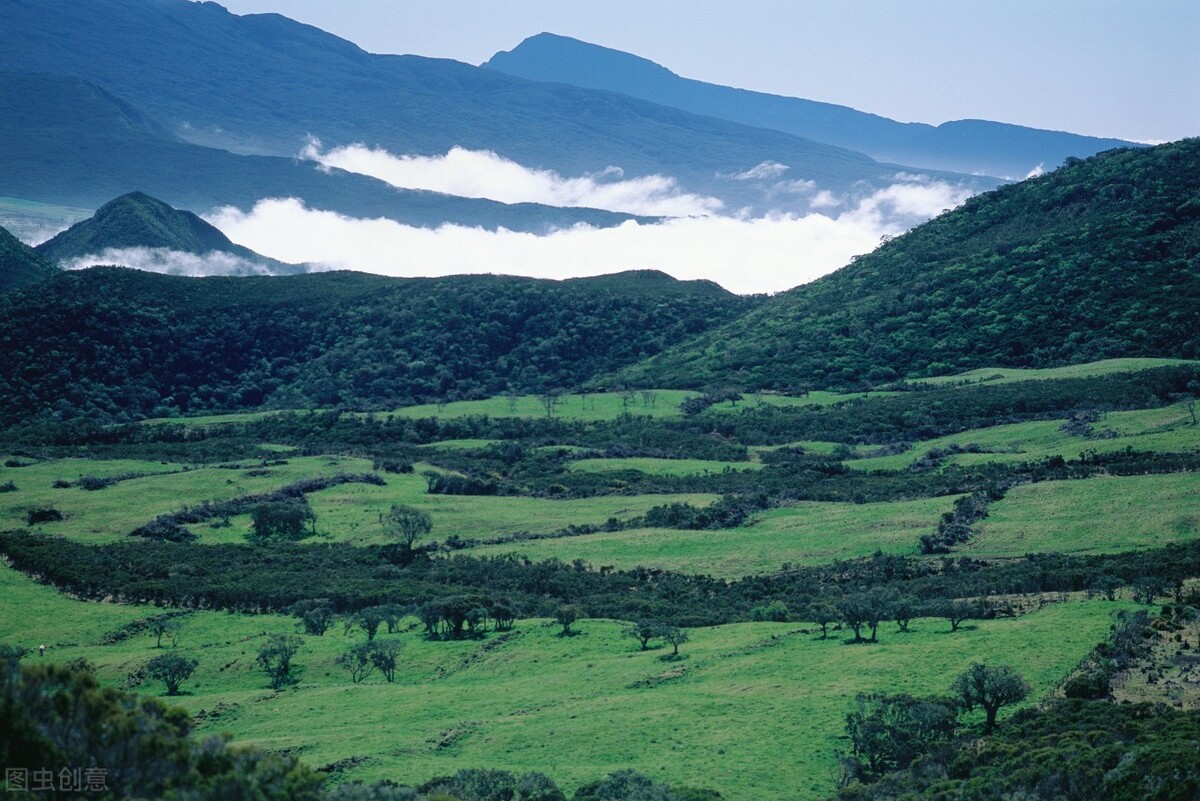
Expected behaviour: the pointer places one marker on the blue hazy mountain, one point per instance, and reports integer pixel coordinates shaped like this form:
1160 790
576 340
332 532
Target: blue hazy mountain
70 142
972 146
262 84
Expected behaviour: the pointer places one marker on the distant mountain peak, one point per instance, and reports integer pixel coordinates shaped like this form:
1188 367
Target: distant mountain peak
138 222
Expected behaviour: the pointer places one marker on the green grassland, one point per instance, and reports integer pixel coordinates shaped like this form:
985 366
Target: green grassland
350 512
1096 515
1005 375
661 467
1165 429
807 533
574 707
111 513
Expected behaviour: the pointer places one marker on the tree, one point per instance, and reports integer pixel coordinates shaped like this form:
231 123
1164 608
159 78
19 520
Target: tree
865 610
549 400
504 615
385 655
369 620
889 732
989 688
165 625
171 669
275 658
1109 585
431 615
405 525
643 631
956 611
392 615
903 611
317 620
1147 588
565 615
282 521
823 613
357 659
675 637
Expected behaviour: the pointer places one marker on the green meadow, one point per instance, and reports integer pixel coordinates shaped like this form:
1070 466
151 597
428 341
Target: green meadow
573 707
1096 515
1005 375
807 533
1165 429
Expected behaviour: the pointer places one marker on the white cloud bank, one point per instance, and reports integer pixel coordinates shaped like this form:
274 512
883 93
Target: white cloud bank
170 262
767 254
484 174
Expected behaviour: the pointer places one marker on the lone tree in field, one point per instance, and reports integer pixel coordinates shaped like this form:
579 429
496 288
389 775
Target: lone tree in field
275 658
675 637
644 631
172 670
990 688
405 525
565 615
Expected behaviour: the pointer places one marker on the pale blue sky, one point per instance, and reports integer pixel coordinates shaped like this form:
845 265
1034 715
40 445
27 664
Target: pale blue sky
1124 68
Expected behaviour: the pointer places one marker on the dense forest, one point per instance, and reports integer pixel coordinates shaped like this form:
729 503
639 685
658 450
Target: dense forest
1060 269
118 344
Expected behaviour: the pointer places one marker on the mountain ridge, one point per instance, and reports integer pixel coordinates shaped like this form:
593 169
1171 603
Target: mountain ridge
993 148
1098 259
49 157
263 84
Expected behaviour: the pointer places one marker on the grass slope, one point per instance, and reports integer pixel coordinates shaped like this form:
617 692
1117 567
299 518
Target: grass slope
574 707
807 533
1098 259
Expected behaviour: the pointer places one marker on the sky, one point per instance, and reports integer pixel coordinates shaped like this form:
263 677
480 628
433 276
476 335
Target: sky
1116 68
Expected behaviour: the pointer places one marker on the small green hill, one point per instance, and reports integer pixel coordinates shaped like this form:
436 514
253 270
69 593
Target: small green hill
1098 259
20 265
136 220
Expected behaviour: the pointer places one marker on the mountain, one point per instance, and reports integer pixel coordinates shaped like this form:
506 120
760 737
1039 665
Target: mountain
970 146
21 265
73 143
116 344
264 84
1098 259
137 222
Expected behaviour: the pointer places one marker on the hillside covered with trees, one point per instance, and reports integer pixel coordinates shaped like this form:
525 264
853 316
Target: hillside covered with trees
21 265
118 344
1098 259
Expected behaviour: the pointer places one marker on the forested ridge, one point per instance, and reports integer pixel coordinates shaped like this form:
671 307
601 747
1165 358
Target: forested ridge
116 344
1097 259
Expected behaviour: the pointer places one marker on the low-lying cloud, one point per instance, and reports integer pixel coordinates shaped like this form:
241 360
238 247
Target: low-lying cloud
766 254
170 262
484 174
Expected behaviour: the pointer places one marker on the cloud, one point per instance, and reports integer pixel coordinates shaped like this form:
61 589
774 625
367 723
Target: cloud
767 254
767 169
170 262
484 174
